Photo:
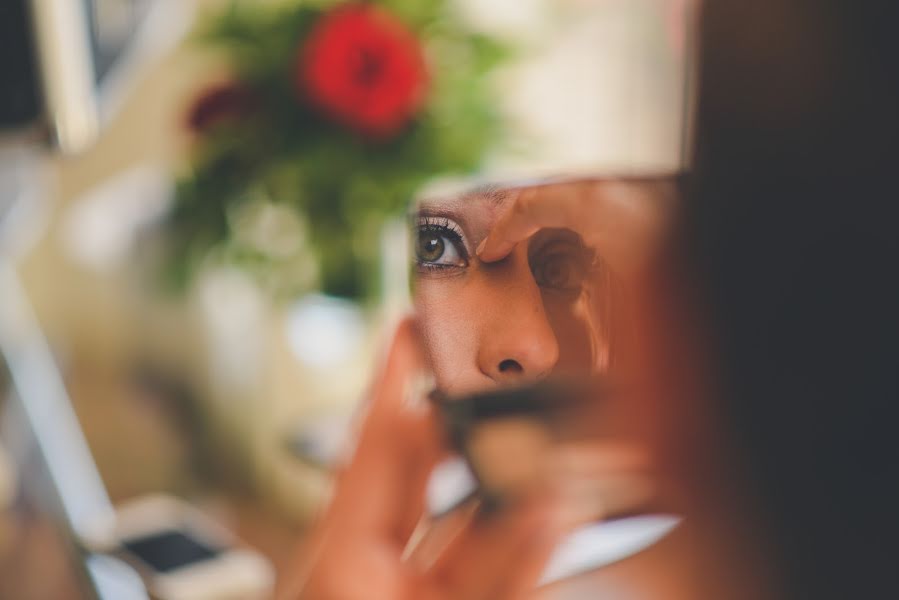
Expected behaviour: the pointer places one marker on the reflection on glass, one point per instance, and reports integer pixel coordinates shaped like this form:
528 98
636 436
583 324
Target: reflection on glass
546 308
525 347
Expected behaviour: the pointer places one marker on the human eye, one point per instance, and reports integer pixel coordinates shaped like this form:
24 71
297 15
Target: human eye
562 265
439 244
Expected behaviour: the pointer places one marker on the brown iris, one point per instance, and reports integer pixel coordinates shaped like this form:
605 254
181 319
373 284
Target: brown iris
430 246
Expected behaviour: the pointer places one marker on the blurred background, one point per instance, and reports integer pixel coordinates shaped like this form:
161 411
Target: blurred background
217 253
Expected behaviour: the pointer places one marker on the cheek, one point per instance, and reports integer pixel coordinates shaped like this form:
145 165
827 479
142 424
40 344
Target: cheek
445 315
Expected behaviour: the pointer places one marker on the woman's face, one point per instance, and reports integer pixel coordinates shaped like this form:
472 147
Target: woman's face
539 311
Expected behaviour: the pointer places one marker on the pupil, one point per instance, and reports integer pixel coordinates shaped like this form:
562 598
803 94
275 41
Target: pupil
430 247
556 273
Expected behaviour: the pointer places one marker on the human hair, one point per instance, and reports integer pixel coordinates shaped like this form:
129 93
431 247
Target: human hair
789 233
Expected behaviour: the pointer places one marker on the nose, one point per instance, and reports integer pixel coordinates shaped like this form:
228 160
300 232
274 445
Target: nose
518 343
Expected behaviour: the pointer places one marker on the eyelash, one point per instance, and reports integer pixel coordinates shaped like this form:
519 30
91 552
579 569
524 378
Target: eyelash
445 227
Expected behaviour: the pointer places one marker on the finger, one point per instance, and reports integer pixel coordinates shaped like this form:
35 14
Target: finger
618 217
404 361
523 580
534 208
502 553
601 480
435 535
382 488
422 450
597 458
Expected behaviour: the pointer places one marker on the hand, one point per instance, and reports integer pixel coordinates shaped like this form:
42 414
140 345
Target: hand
356 551
622 219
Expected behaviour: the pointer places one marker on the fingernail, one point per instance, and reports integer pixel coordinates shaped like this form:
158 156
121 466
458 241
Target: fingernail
481 247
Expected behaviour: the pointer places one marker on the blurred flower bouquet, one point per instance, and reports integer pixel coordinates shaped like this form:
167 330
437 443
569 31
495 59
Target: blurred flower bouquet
336 113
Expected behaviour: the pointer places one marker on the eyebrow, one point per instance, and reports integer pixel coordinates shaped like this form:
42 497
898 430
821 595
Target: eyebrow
489 193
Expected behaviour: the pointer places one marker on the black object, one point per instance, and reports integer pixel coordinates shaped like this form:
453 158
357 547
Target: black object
102 34
168 550
547 401
790 244
20 95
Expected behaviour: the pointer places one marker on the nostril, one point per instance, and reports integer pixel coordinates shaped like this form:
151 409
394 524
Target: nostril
510 366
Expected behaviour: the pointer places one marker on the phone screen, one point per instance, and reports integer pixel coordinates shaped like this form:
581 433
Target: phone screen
170 549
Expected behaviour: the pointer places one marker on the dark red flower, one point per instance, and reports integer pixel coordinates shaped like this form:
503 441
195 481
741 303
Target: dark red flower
219 104
364 68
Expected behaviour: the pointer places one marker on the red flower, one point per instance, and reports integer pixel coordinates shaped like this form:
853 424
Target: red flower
364 68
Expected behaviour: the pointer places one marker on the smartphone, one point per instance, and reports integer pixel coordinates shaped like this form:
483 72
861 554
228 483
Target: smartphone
182 554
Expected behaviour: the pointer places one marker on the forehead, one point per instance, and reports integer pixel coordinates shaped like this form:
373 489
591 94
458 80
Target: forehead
480 196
